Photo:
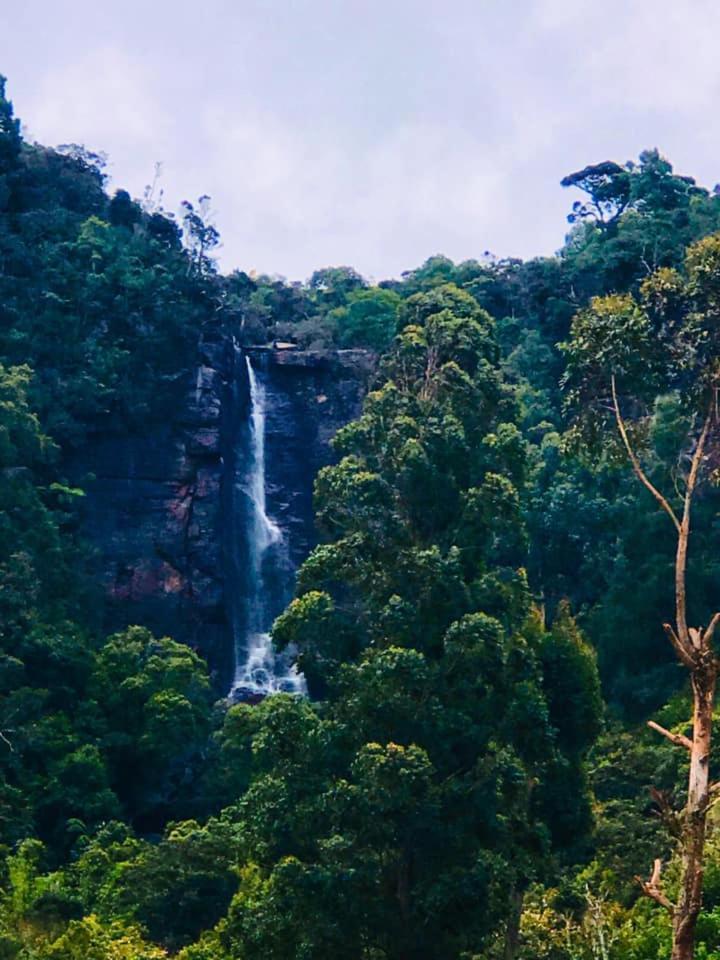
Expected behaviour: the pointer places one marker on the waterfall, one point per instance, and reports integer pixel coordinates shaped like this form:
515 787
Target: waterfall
259 670
198 385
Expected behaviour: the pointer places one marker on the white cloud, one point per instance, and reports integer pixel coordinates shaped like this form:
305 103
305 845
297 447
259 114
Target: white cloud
103 100
324 199
446 131
658 55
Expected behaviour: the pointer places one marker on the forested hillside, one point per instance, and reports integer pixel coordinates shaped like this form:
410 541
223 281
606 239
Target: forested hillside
480 627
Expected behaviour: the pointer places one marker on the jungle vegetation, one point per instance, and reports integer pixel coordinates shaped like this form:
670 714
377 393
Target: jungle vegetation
529 495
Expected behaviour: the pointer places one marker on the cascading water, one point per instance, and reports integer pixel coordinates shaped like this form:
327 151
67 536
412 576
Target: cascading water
259 670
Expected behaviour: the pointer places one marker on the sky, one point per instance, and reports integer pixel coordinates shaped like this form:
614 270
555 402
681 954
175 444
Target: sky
371 133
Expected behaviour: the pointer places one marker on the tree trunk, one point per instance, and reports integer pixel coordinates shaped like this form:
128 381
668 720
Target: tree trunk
692 839
694 648
512 931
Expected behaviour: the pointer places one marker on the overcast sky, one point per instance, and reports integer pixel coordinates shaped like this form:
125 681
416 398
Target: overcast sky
373 133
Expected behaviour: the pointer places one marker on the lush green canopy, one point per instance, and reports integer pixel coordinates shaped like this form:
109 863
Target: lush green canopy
484 549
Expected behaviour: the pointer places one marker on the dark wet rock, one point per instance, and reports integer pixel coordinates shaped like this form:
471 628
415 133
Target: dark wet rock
309 396
160 510
251 697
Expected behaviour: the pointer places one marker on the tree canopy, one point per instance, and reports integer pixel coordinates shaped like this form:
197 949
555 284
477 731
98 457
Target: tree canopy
479 625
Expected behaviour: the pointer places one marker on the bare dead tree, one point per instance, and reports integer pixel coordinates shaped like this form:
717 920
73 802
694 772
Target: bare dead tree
694 648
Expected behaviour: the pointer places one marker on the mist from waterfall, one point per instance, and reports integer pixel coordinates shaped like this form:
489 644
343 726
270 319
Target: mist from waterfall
259 670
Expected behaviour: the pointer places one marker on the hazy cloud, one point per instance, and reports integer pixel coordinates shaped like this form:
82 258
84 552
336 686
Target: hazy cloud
369 133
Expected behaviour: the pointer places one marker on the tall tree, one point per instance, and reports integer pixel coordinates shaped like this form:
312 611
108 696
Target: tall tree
406 814
627 358
10 141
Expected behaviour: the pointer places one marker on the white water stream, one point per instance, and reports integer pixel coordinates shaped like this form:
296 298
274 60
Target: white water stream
259 670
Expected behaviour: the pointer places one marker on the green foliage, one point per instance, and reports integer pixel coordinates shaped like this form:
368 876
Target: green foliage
407 798
151 700
571 675
93 733
33 560
454 755
174 888
665 343
111 278
87 939
368 319
659 349
638 218
72 714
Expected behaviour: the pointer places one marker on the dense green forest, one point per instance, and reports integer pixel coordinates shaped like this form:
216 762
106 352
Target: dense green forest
481 625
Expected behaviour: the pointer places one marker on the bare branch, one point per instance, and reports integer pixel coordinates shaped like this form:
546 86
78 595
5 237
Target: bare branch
696 462
710 629
666 812
651 888
684 536
677 738
639 472
713 796
682 652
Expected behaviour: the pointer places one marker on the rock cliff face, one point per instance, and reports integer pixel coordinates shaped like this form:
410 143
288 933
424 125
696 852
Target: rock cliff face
309 396
161 508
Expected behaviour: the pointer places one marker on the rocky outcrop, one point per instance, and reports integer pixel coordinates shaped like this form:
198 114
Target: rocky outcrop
159 505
